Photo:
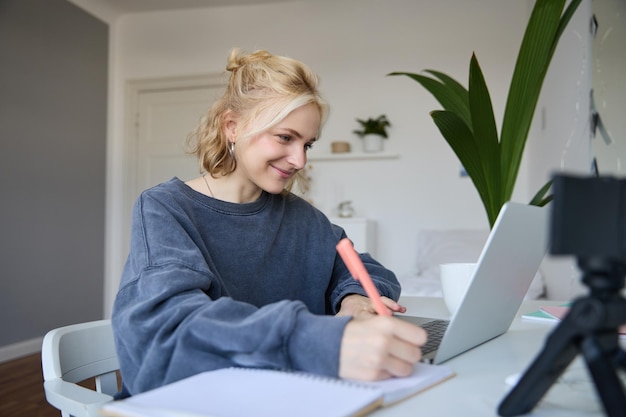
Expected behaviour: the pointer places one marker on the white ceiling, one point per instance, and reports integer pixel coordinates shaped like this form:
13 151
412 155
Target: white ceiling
130 6
108 10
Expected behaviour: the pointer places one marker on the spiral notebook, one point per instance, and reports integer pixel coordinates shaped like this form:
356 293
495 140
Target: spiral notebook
242 392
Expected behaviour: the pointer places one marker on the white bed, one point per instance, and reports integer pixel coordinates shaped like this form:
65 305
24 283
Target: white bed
438 246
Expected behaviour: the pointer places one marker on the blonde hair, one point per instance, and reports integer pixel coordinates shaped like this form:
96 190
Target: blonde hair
262 90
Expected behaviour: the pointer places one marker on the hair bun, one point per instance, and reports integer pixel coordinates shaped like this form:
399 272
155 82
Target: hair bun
238 59
234 61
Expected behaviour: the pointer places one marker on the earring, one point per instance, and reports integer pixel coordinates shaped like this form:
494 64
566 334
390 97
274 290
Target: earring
231 149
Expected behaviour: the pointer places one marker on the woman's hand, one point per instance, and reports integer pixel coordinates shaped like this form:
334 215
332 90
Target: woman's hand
357 305
379 347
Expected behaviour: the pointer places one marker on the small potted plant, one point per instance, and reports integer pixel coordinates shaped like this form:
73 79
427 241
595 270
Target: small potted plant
373 131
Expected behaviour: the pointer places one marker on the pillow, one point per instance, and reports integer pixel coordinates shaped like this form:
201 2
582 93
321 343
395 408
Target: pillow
436 247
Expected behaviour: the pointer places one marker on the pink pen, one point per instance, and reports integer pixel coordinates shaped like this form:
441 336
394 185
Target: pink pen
359 273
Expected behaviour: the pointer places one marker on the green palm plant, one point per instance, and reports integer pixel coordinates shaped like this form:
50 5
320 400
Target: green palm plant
467 120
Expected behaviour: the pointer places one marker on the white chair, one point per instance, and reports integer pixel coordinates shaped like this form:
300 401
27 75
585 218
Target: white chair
76 353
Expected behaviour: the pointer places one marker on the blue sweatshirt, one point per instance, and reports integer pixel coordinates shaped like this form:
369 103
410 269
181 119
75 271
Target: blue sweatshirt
210 284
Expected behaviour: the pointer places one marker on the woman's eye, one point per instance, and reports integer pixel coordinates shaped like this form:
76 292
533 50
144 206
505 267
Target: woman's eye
285 138
308 146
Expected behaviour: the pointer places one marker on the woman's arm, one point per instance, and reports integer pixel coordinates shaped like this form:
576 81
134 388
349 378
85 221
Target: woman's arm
167 328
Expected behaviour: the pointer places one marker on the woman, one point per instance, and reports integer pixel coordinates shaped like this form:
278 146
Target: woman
231 269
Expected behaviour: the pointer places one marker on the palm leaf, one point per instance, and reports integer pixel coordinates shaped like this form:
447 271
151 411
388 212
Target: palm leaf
540 199
532 64
447 94
457 89
461 139
567 16
485 137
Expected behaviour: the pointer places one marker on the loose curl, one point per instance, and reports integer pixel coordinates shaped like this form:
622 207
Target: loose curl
262 90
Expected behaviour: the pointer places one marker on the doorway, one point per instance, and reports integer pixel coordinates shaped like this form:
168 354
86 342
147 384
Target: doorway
160 114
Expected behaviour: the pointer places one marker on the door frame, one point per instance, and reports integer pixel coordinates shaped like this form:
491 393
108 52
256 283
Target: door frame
118 237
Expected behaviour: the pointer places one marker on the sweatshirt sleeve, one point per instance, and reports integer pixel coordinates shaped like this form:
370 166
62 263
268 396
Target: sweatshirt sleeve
385 281
167 328
343 284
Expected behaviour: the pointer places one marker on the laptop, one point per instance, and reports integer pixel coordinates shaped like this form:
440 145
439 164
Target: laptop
506 267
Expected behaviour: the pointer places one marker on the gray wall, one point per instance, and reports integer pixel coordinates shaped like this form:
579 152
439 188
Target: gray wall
53 92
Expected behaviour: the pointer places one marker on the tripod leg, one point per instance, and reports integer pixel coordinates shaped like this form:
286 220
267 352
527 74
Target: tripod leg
620 359
558 352
608 385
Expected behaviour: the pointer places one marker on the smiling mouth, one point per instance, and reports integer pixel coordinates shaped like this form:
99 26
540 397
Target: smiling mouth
284 174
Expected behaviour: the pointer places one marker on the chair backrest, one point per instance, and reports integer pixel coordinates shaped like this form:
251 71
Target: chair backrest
75 353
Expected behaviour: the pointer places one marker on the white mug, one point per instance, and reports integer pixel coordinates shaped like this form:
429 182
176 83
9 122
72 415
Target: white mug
455 279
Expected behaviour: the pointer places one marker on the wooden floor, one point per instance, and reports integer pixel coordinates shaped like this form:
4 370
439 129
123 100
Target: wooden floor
21 389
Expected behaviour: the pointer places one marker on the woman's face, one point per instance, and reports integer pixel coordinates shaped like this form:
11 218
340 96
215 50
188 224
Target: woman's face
269 159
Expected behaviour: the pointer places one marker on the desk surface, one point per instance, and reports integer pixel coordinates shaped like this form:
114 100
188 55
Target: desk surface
479 386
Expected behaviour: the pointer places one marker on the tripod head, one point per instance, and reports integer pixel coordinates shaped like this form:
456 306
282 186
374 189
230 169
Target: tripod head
602 276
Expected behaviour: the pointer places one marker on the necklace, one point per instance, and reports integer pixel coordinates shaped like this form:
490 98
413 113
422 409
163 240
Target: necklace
207 185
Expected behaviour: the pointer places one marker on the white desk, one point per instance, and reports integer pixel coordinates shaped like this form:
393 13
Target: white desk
479 387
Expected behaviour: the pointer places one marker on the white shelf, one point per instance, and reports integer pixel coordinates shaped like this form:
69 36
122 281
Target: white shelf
352 156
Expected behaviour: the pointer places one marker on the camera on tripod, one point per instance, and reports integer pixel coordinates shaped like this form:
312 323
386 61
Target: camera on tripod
588 221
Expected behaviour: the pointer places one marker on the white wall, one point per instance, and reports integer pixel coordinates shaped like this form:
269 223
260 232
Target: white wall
352 45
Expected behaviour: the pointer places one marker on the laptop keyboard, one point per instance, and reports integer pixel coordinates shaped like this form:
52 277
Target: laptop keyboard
435 330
